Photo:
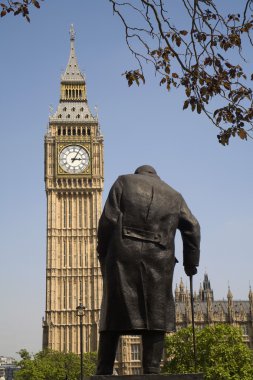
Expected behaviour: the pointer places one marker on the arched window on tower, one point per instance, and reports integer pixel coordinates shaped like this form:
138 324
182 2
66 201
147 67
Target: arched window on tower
80 93
66 93
79 132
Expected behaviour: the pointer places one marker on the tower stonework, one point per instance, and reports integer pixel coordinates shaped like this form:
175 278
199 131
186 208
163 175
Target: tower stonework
74 177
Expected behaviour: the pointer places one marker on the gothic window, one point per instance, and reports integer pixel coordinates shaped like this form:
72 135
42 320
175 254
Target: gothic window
80 93
69 131
66 93
73 93
86 294
245 329
88 131
70 294
85 254
70 340
64 253
65 340
74 132
59 131
87 338
65 213
64 132
64 109
135 352
59 116
86 116
81 109
80 254
70 214
83 132
69 93
76 93
70 253
64 294
68 116
79 131
78 116
136 371
80 213
73 109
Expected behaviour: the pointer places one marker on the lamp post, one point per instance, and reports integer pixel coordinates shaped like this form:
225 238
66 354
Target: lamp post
80 313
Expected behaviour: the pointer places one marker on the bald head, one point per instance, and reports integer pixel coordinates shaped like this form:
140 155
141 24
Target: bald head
145 169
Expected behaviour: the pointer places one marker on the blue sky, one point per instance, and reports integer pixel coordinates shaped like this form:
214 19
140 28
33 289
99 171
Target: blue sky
140 125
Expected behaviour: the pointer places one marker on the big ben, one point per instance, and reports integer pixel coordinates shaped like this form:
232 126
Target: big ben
74 182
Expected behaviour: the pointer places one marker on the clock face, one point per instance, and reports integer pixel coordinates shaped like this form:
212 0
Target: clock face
74 159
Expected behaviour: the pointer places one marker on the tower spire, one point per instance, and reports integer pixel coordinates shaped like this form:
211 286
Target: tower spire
72 33
72 73
73 105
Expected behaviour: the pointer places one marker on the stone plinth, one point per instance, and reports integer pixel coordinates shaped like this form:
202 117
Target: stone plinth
190 376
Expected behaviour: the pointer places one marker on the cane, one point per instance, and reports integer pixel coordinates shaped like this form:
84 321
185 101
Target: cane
193 325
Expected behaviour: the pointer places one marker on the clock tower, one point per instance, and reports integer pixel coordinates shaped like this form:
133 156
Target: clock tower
74 179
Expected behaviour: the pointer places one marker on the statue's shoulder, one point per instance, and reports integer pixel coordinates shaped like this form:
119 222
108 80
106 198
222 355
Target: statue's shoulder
170 190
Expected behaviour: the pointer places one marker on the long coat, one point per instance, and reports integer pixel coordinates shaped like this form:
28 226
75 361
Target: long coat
136 251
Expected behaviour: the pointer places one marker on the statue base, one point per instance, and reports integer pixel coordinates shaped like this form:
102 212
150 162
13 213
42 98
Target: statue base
188 376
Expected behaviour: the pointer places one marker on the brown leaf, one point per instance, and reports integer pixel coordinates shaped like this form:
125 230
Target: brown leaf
36 4
174 75
188 91
186 104
227 85
183 32
242 134
3 13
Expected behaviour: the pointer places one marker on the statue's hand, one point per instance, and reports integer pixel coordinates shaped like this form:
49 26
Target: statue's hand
190 270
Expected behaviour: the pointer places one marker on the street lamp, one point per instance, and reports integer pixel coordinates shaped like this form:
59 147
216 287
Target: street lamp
80 313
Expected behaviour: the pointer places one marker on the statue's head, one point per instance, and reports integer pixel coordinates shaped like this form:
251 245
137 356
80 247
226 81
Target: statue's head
145 169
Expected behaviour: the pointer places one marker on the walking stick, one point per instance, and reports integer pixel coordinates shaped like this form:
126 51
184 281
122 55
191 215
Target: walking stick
193 325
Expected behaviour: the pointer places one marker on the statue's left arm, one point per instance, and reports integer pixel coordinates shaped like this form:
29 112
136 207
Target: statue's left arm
190 232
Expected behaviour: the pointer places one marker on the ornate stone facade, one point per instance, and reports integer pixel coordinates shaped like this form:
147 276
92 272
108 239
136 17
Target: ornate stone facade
207 310
74 178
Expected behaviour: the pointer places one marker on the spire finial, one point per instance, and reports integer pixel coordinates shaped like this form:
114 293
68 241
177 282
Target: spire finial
72 33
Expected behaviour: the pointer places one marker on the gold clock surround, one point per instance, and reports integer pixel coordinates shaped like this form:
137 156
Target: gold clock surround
62 145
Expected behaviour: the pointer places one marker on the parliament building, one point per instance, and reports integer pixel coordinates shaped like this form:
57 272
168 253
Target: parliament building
74 178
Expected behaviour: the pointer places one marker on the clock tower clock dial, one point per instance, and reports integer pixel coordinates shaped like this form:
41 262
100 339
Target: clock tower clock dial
74 177
74 159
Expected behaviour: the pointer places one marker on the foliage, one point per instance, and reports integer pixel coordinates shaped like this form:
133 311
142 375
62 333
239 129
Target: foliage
53 365
221 353
18 7
201 51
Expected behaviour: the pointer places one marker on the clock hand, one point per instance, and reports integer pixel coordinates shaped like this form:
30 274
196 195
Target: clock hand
77 153
75 159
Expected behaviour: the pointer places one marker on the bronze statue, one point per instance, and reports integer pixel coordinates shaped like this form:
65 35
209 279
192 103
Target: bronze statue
136 252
